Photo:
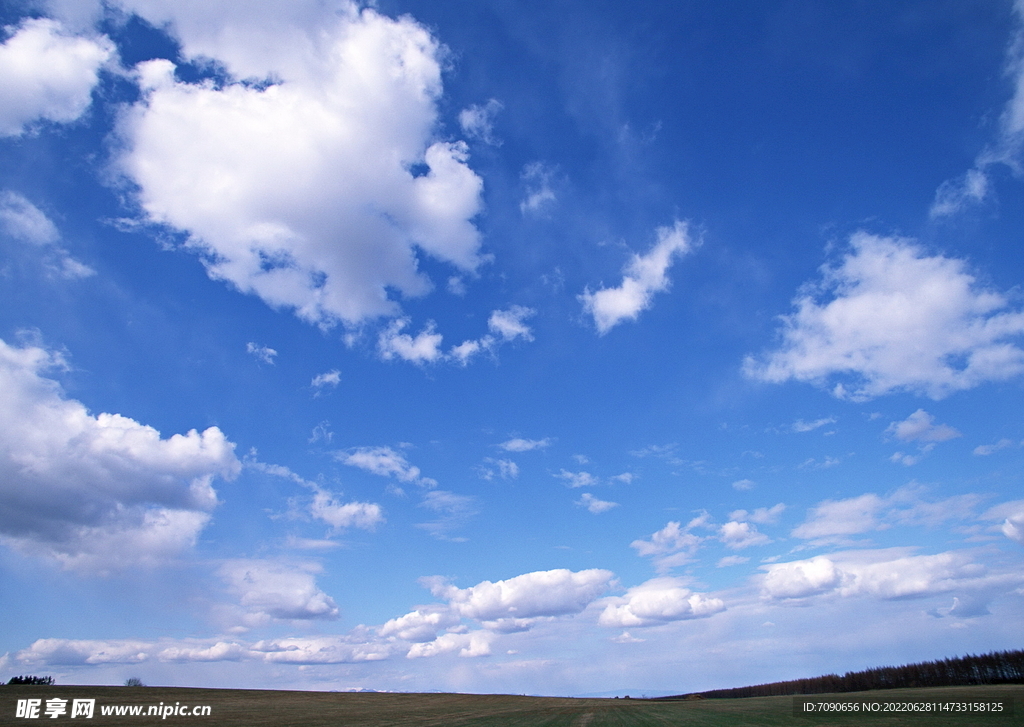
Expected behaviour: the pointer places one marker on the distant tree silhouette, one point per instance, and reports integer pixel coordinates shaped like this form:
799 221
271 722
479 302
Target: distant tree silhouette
44 681
998 667
133 682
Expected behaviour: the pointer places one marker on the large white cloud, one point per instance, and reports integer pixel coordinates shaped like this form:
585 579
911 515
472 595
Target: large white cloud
891 573
890 318
47 73
513 604
307 192
644 276
658 601
97 492
271 589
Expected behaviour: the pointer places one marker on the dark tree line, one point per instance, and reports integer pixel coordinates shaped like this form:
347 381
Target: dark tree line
998 667
44 681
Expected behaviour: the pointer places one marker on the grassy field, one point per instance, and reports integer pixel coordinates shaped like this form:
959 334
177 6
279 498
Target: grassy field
254 708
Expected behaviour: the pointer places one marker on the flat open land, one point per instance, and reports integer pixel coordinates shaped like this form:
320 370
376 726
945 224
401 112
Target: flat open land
253 708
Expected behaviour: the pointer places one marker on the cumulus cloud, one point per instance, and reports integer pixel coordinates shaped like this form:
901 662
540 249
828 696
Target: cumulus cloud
644 276
475 643
328 508
517 444
743 485
97 492
386 462
673 545
890 573
424 347
272 589
658 601
739 535
516 603
22 221
890 318
325 222
421 625
595 505
920 427
477 121
47 74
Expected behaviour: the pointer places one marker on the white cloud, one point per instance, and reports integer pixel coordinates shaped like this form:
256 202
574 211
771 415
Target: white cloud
475 643
478 121
97 492
507 469
421 625
801 578
22 221
625 478
920 427
739 535
835 518
891 573
327 508
955 195
644 276
658 601
514 604
801 426
505 325
261 353
327 379
270 589
743 485
385 462
595 505
892 318
295 650
672 545
517 444
325 222
425 347
509 323
577 479
763 515
47 74
731 560
537 178
984 450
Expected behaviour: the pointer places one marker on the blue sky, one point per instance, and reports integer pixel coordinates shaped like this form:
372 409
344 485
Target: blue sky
551 348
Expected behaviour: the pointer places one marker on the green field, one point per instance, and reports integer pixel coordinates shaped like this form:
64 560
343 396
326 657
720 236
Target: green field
253 708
